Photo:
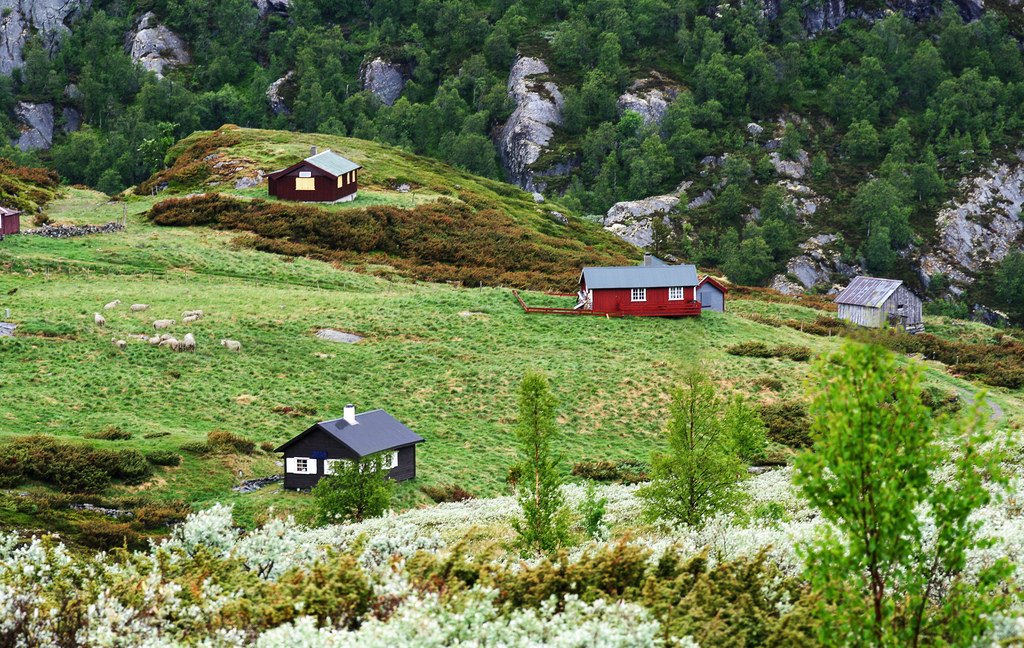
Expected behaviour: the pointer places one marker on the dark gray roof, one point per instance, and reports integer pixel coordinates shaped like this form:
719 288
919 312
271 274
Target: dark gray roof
868 291
332 163
640 277
375 431
7 211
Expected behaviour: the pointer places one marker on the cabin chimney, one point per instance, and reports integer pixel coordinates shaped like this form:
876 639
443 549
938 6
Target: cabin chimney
312 151
350 415
647 259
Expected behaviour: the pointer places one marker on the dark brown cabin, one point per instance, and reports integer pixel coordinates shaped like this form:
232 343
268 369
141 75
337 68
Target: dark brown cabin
10 221
322 177
310 456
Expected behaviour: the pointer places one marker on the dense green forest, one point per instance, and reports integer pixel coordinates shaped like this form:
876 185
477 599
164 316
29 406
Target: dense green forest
890 112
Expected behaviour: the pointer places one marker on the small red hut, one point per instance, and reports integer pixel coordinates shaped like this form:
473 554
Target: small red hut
653 289
10 221
322 177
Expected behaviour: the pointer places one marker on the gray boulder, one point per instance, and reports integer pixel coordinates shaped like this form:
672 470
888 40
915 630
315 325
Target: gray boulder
528 131
384 79
818 262
632 220
267 7
982 227
275 94
50 19
795 169
649 98
36 125
155 47
72 119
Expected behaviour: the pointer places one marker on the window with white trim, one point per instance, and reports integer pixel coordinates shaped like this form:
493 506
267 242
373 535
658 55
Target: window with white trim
675 293
300 465
638 294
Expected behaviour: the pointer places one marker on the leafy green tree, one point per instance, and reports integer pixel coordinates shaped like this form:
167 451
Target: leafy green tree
357 490
699 473
747 431
751 263
110 182
879 257
591 511
1009 284
861 143
879 203
890 562
544 525
730 204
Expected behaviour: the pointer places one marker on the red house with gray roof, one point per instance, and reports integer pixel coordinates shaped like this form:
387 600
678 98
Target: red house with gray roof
654 289
322 177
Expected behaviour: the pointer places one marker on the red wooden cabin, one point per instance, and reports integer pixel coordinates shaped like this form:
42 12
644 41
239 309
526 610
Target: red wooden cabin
322 177
10 221
646 290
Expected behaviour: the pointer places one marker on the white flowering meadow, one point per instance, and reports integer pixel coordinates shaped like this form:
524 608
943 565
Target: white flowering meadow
142 599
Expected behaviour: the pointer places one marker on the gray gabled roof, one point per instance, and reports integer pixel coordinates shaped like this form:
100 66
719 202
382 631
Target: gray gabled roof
375 431
868 291
332 163
639 277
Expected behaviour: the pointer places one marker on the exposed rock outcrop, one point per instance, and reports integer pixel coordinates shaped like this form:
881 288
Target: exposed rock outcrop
632 221
649 98
156 47
982 227
795 169
267 7
384 79
826 15
72 119
817 264
276 94
19 19
36 121
527 133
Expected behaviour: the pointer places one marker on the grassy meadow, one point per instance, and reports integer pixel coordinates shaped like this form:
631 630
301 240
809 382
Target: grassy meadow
444 359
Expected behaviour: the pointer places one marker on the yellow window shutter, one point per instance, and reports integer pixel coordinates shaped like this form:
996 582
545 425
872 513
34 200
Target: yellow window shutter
305 184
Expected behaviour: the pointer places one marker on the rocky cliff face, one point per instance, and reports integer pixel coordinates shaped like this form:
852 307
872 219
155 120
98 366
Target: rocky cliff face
156 47
818 264
276 94
529 130
829 14
384 79
267 7
36 125
19 19
649 98
632 220
980 228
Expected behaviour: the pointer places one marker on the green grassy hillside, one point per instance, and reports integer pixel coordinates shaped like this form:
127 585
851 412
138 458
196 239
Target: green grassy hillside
444 359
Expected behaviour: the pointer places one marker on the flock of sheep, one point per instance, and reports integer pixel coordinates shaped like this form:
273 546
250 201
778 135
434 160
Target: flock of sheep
186 343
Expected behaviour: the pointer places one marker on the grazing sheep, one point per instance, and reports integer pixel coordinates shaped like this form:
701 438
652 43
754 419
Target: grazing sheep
138 308
231 345
162 324
188 343
120 344
170 342
189 319
99 319
192 313
113 304
155 340
166 336
141 337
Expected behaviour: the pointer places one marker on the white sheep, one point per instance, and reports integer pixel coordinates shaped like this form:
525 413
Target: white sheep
188 343
138 308
155 340
192 313
120 344
166 336
163 323
189 319
231 345
99 319
170 342
113 304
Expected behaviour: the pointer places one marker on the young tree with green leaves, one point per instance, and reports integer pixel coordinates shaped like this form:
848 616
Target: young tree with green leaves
357 490
699 473
544 526
890 563
1009 284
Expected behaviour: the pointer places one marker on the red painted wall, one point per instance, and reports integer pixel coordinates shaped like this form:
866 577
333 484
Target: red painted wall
618 301
327 189
10 224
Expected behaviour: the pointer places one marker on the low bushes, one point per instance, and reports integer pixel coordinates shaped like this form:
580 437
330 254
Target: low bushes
787 423
223 441
68 466
163 458
761 350
626 471
447 493
112 433
101 533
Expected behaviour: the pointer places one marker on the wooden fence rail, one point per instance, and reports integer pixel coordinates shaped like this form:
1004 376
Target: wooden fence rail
559 311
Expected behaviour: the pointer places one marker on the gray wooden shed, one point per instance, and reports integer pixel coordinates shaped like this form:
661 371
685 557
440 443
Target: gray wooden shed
875 302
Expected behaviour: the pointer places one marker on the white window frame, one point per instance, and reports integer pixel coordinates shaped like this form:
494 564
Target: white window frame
305 174
292 466
638 294
679 296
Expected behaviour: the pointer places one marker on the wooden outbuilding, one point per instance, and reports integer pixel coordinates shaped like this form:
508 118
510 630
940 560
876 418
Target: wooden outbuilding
312 455
711 294
654 289
322 177
875 302
10 221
